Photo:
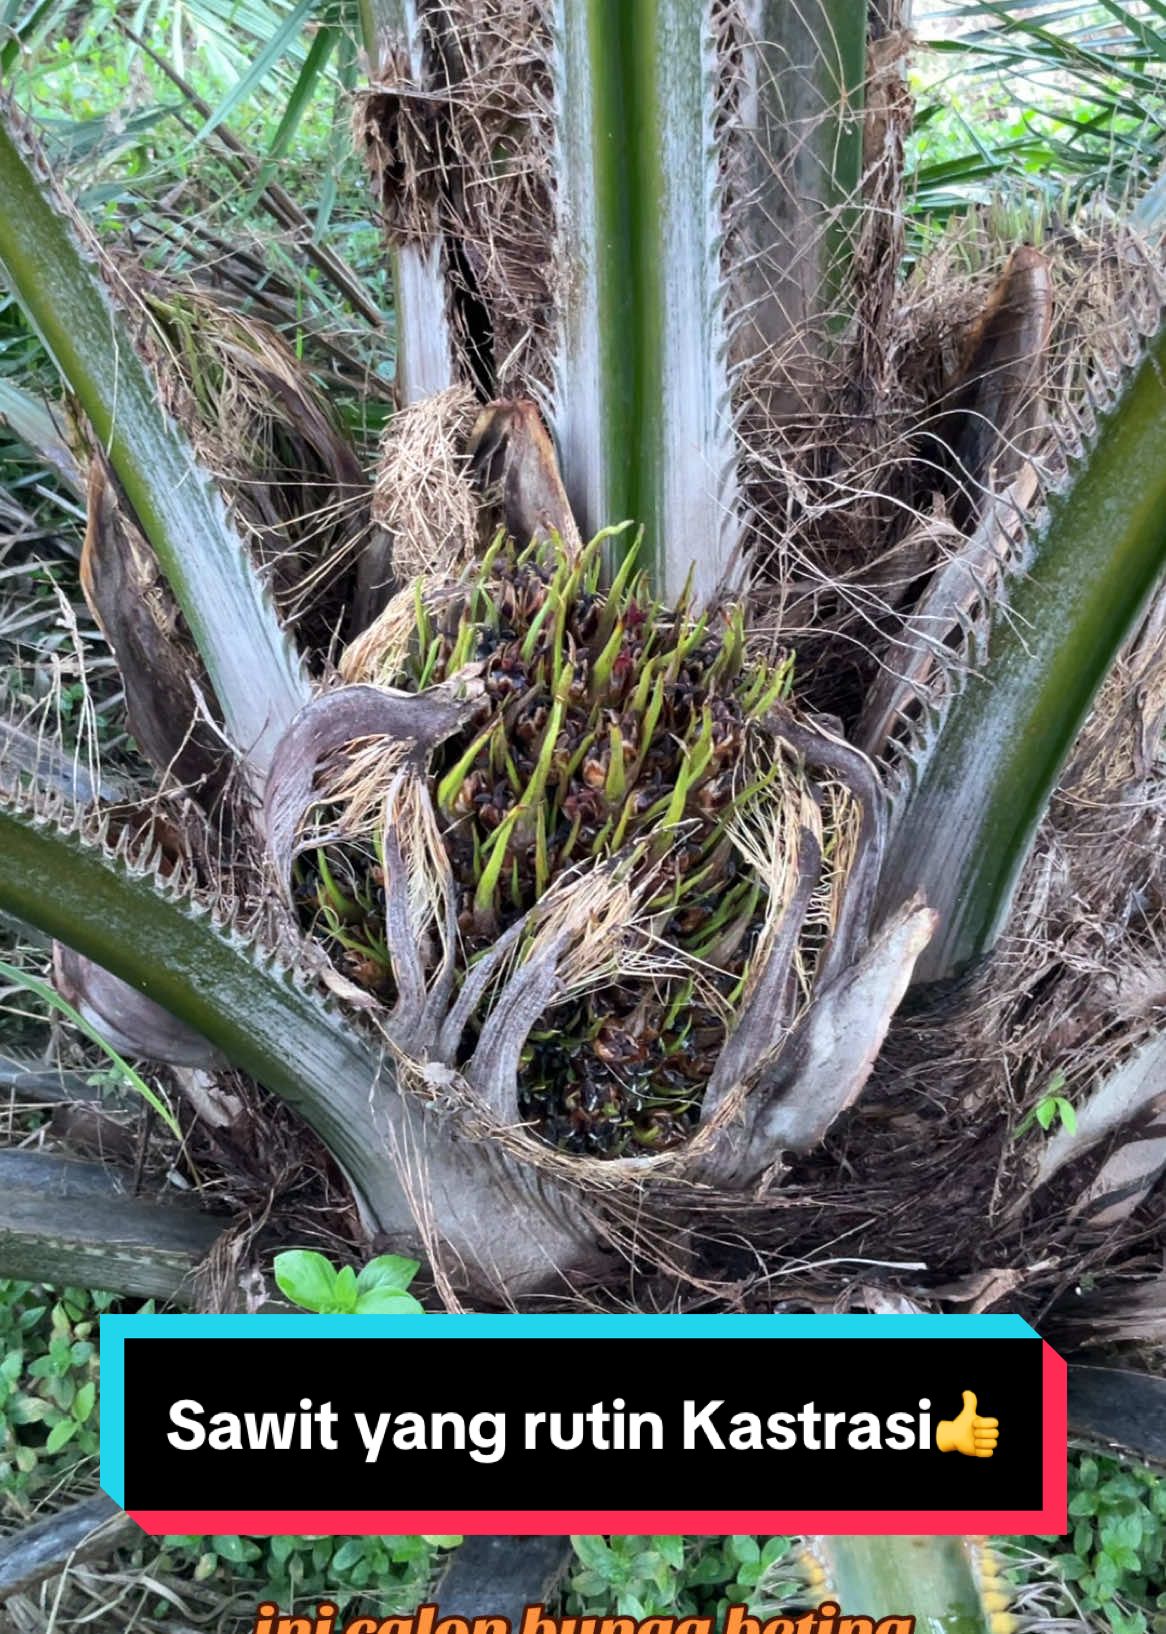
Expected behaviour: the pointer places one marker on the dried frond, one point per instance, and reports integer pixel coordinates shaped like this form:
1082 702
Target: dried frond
768 834
354 790
169 699
262 425
380 653
865 562
939 1164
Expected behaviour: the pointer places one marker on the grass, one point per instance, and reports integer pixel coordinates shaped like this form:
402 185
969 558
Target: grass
126 1074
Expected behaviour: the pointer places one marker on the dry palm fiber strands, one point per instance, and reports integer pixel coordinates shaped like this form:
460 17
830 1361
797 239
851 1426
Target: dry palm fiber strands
619 739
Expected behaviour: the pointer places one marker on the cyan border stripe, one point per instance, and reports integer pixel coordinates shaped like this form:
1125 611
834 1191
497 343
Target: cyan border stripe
120 1328
111 1405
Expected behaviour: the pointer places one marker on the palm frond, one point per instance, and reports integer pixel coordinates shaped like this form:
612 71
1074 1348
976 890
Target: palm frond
54 270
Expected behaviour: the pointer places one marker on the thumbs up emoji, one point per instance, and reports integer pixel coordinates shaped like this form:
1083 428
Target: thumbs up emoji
970 1434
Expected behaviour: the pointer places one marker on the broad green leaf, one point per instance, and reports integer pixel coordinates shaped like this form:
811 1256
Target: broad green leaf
344 1290
348 1553
388 1302
307 1278
593 1552
235 1549
775 1549
671 1550
387 1271
61 1434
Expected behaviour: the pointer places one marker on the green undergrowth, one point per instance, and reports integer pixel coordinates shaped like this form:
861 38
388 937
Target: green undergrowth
1112 1564
680 1576
1114 1559
48 1390
1055 105
48 1456
392 1573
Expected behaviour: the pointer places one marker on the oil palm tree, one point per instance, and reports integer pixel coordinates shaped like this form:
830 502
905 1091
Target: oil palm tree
565 879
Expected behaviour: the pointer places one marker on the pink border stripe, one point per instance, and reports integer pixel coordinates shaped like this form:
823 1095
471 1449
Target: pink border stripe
1055 1430
632 1522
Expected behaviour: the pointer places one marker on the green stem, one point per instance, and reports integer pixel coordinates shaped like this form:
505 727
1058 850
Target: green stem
935 1581
966 827
642 411
507 1229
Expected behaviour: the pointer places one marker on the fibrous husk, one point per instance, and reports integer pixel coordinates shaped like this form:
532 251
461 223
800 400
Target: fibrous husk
424 495
515 465
982 427
449 473
944 1161
900 511
400 725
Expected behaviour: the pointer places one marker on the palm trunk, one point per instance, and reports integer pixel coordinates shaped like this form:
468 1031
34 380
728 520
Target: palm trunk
707 172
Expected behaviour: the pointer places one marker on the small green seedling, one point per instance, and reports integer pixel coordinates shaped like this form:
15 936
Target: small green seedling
311 1281
1051 1108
